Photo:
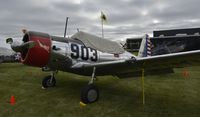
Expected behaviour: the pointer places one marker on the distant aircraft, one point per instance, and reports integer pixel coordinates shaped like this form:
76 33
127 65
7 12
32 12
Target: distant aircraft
89 55
7 55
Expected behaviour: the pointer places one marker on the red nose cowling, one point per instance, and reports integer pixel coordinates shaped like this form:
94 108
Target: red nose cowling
38 55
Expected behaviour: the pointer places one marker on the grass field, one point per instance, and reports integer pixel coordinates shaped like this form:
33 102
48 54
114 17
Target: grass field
169 95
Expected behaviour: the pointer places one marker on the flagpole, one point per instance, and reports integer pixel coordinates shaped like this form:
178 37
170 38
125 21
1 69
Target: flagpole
102 28
103 18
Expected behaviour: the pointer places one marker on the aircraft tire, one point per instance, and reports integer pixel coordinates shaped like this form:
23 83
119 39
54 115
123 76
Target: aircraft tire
89 94
46 82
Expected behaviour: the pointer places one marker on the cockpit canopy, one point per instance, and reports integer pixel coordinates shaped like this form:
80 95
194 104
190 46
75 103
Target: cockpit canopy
98 43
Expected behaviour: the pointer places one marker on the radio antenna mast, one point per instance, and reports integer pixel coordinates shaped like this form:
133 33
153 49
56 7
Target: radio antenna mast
66 26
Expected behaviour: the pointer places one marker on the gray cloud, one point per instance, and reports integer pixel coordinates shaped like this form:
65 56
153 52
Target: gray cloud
125 17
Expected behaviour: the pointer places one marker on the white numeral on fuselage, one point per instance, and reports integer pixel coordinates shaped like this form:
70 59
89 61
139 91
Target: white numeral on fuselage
83 53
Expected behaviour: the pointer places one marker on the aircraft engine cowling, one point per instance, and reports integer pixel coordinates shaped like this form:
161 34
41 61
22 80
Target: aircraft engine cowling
38 55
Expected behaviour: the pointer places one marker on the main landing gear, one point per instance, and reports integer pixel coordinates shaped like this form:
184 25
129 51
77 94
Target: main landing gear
49 81
90 93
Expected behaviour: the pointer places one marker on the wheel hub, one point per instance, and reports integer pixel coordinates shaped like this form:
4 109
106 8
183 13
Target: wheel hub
49 83
92 95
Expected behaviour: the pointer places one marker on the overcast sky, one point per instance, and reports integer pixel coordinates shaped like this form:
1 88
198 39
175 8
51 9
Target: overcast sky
125 18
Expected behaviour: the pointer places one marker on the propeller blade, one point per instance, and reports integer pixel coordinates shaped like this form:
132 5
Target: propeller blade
17 47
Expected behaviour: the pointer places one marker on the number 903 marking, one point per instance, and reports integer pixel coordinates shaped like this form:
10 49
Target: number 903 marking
85 53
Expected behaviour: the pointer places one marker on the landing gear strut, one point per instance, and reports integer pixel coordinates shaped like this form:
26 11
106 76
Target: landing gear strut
49 81
90 93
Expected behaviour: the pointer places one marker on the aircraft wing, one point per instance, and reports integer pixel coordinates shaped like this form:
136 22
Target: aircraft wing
182 59
153 63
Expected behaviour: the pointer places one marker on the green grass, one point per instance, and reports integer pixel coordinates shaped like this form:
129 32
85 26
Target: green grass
169 95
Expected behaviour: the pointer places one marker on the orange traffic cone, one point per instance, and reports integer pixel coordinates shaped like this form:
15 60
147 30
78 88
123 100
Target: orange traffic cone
12 100
185 73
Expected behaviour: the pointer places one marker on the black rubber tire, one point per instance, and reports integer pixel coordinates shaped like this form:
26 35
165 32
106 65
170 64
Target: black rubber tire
89 94
46 82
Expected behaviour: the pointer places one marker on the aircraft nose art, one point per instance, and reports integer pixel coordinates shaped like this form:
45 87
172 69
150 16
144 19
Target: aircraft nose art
39 54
